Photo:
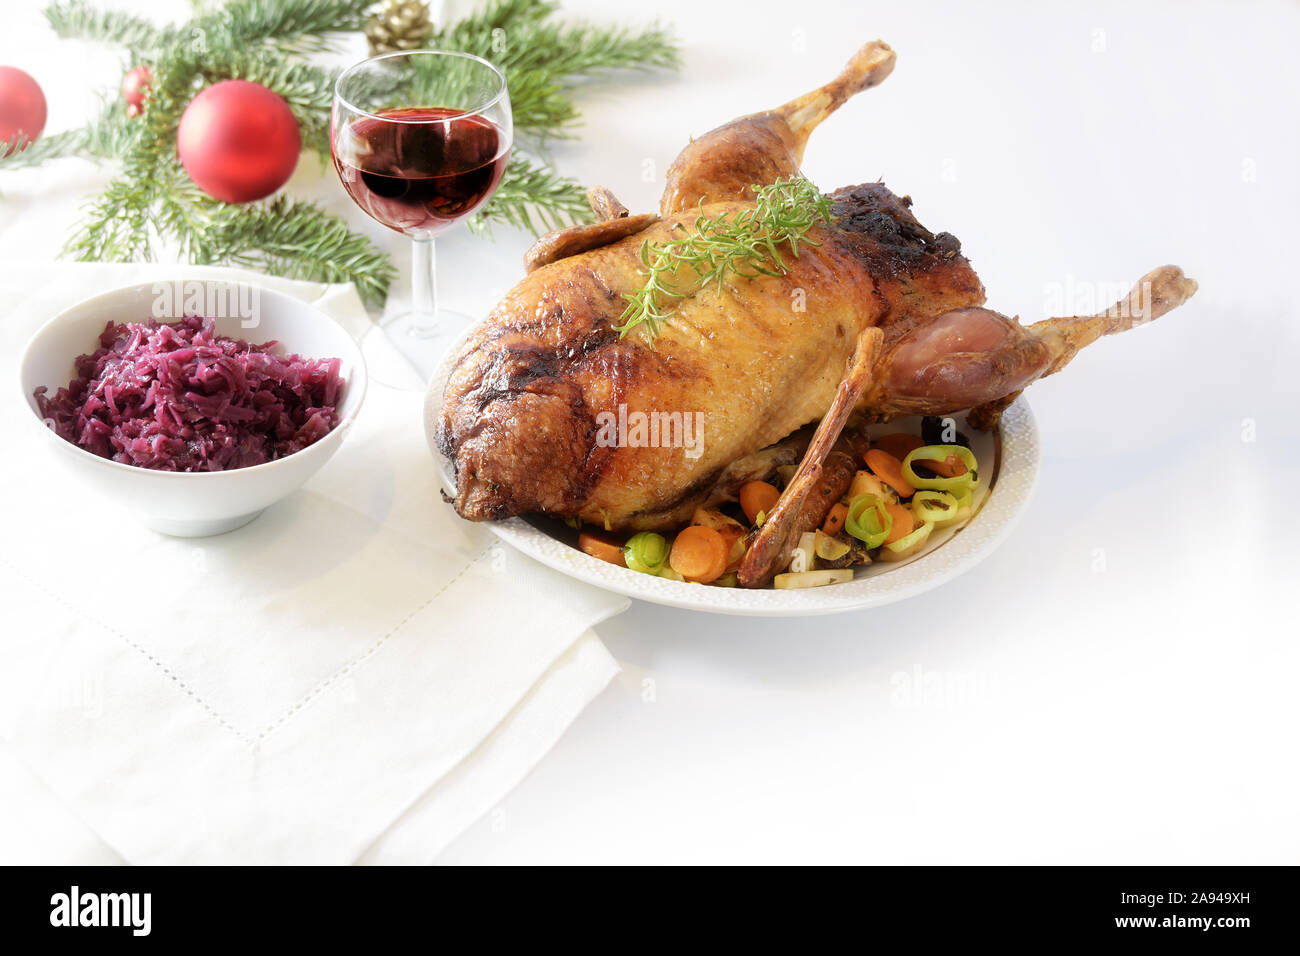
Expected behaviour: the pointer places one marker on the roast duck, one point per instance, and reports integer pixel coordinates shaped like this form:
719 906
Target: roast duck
892 323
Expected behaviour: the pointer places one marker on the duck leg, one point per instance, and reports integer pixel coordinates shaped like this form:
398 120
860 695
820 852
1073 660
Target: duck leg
1156 293
762 148
770 550
724 163
979 359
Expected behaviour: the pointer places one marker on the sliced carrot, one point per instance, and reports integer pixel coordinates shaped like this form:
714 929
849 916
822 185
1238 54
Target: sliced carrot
699 554
950 468
603 547
889 470
834 522
899 444
735 539
904 524
757 497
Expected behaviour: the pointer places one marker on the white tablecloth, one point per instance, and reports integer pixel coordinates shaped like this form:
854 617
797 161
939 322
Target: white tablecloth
1116 684
355 675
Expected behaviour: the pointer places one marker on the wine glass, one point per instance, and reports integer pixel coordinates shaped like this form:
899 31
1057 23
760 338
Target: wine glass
420 140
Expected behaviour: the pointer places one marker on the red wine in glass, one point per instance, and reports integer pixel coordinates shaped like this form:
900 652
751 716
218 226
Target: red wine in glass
419 170
421 140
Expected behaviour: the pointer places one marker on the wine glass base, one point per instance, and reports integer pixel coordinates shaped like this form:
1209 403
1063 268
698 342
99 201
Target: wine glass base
402 356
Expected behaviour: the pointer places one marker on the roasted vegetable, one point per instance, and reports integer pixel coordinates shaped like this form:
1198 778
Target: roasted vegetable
804 555
869 520
699 554
758 497
937 453
906 547
865 483
646 552
811 579
604 547
828 548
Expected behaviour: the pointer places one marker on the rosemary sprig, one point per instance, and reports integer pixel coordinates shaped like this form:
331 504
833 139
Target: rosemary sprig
746 246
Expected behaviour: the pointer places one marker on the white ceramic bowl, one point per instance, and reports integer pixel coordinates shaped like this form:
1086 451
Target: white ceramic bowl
205 503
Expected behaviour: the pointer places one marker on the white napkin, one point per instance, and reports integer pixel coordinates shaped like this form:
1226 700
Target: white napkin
357 675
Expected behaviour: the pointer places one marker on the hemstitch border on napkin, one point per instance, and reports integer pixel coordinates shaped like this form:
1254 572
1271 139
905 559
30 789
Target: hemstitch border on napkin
254 741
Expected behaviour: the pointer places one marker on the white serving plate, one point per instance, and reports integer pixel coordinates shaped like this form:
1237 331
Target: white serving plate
1009 460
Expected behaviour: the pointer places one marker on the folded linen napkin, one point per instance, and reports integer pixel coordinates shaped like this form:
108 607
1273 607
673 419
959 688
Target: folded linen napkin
356 675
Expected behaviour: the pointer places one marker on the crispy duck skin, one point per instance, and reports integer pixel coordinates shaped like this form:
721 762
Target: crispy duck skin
756 359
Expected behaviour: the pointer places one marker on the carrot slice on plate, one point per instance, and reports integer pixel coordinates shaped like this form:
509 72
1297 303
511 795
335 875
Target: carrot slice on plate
899 444
834 522
699 554
951 467
758 497
603 547
889 470
904 522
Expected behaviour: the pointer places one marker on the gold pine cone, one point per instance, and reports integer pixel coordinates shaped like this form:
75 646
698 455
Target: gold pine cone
400 25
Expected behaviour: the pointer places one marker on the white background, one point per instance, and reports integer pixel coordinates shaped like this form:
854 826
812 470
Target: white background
1117 684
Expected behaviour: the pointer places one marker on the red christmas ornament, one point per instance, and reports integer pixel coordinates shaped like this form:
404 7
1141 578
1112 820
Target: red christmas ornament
22 106
238 141
135 86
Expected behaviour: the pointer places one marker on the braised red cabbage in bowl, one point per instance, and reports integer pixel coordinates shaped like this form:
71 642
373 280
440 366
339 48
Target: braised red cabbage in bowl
176 396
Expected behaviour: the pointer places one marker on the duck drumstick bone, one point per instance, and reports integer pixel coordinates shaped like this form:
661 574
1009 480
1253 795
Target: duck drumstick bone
772 546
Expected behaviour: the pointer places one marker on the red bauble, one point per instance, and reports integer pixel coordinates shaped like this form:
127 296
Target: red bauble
22 106
134 87
238 141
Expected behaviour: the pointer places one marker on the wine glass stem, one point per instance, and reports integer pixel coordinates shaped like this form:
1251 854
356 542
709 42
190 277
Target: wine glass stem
424 289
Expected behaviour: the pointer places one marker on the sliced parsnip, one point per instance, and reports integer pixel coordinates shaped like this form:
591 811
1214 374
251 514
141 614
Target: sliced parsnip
865 483
804 553
828 548
811 579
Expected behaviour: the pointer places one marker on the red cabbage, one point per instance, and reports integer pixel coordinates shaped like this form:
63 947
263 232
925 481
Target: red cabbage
176 397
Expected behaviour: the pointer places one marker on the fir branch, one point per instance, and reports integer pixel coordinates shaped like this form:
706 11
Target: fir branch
583 49
291 26
532 197
542 109
106 138
298 240
261 40
517 36
76 19
478 28
541 59
117 227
